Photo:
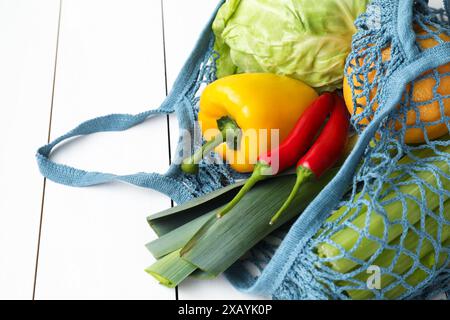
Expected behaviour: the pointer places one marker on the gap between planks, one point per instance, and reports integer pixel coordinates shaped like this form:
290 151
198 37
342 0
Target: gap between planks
44 184
167 92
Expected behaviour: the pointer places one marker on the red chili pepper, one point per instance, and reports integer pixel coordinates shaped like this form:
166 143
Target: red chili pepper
291 149
324 153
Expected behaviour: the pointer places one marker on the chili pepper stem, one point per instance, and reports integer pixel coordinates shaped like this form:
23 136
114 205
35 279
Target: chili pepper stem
303 175
260 172
228 130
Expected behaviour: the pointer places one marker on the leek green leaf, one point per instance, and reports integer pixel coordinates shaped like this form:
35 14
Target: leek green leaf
168 220
221 242
178 237
171 269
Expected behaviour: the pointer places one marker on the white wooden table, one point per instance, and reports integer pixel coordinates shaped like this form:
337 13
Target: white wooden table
62 62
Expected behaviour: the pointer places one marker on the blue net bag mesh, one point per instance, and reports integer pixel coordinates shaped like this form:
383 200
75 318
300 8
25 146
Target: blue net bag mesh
394 219
389 236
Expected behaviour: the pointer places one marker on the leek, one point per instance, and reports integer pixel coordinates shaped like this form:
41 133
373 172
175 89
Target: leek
404 263
348 237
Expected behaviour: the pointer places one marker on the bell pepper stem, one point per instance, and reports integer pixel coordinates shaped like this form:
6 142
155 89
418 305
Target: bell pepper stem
260 172
303 175
190 165
228 130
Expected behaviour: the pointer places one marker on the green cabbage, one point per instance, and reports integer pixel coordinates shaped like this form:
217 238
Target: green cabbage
304 39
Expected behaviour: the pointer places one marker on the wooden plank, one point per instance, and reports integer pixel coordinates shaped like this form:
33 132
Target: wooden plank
183 22
110 60
28 35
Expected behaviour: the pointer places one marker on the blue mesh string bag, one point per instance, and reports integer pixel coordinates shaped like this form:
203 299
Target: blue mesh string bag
394 220
381 228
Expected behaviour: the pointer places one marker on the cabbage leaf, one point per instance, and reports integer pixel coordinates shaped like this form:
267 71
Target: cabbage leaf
304 39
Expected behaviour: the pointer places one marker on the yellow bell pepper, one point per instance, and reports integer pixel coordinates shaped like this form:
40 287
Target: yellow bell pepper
242 104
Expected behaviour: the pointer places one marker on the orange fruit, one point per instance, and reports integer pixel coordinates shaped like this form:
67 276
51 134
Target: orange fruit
422 91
